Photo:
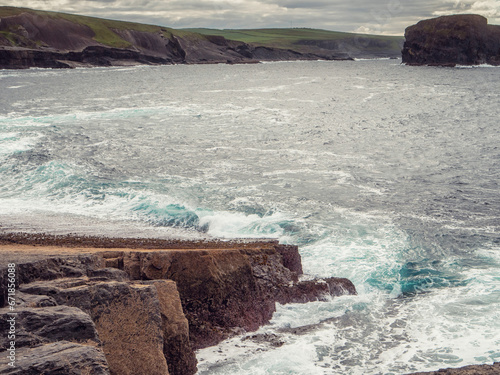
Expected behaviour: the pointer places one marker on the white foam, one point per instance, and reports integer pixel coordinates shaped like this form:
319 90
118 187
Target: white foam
234 225
11 143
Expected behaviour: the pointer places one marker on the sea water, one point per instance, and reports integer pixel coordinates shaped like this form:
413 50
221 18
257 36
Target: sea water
382 173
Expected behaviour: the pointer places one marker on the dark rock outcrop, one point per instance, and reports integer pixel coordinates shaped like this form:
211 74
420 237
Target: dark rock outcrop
452 40
142 311
493 369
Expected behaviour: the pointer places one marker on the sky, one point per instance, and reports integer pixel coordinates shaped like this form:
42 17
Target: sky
389 17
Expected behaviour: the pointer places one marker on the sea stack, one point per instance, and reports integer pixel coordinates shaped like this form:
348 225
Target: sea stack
452 40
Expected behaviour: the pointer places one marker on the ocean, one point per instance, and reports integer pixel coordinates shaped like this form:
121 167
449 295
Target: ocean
382 173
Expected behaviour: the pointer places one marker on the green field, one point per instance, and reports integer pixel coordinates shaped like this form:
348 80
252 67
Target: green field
298 39
289 37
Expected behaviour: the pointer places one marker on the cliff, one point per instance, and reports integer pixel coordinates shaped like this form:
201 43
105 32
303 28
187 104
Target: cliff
32 38
118 306
452 40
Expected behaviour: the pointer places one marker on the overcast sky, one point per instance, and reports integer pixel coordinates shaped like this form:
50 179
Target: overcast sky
367 16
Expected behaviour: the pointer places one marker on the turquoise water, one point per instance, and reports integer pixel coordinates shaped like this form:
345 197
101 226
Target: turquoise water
382 173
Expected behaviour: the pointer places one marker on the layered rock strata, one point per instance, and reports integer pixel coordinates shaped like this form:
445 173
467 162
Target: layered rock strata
452 40
136 311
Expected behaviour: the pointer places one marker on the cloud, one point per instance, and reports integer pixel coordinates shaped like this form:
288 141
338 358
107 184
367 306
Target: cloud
368 16
487 8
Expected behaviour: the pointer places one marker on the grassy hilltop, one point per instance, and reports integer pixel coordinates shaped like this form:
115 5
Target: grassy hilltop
303 39
35 38
104 29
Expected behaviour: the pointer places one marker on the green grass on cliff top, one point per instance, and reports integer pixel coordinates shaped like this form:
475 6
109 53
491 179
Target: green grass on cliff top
102 28
287 37
278 38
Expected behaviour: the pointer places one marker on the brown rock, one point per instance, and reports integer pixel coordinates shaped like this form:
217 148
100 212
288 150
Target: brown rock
179 354
127 317
224 289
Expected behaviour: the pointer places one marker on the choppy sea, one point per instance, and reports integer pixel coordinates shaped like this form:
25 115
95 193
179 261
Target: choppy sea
382 173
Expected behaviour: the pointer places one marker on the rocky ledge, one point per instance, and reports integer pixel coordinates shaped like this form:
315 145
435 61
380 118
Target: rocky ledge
452 40
117 306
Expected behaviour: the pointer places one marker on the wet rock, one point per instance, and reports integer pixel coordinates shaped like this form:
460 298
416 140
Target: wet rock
266 338
314 290
224 290
493 369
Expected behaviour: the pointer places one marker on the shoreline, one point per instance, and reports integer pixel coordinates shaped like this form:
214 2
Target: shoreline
146 305
58 263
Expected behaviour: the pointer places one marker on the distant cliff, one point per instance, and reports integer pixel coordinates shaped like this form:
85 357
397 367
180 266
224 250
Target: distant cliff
32 38
452 40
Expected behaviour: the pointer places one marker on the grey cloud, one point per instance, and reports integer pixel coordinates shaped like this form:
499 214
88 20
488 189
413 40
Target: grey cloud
380 16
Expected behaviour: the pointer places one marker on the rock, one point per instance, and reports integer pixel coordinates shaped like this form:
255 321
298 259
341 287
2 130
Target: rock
220 289
493 369
58 358
36 326
314 290
223 291
452 40
48 268
152 307
177 348
127 317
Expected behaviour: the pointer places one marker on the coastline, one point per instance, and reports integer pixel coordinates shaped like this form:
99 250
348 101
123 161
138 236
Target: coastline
55 273
145 305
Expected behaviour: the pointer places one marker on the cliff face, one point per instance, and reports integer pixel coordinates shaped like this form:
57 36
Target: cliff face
137 311
451 40
31 38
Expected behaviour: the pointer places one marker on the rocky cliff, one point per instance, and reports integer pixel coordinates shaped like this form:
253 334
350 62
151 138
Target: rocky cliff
452 40
33 38
114 306
30 38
